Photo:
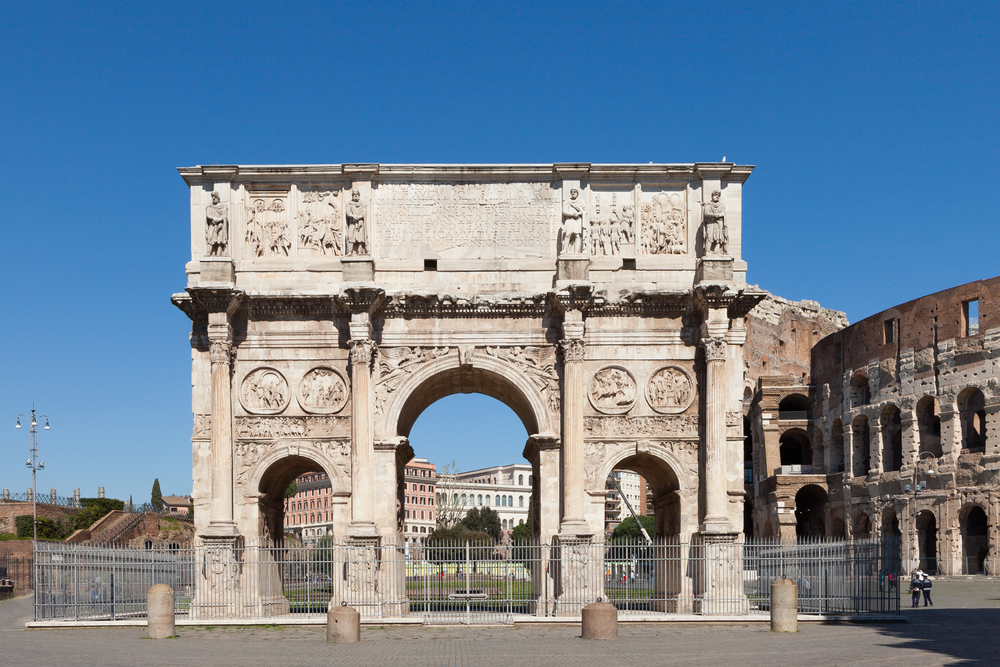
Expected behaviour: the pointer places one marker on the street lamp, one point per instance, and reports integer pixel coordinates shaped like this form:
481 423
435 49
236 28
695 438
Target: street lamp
35 465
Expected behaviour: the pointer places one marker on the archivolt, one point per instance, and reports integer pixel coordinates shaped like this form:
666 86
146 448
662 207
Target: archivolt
445 376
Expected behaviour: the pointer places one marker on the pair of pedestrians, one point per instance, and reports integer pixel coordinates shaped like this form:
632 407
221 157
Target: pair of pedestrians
920 583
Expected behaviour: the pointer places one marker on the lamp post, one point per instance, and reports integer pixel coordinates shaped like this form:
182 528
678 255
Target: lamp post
34 464
915 490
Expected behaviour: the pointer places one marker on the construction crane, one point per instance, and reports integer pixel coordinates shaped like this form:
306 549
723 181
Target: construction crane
635 516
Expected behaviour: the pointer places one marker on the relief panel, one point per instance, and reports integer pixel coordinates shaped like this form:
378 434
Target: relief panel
611 231
323 391
465 220
670 390
320 223
266 225
663 220
264 391
612 390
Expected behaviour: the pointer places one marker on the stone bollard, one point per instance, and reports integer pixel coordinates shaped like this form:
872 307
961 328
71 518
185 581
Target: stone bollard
343 624
784 606
600 621
160 611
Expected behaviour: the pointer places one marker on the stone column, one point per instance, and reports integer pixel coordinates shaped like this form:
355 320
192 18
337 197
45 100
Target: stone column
221 507
911 441
362 437
992 458
951 437
716 500
543 451
573 398
848 432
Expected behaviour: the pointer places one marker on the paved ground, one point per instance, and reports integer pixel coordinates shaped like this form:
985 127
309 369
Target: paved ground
960 630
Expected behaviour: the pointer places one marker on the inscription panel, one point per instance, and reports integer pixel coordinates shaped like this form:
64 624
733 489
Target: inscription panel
465 220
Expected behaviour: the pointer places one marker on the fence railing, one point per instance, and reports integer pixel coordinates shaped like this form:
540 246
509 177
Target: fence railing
43 499
15 575
466 582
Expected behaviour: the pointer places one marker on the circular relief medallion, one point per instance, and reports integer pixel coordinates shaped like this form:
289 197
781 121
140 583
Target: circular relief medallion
264 392
322 391
612 390
670 390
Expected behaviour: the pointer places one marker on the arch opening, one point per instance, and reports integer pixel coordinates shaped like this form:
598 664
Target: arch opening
972 405
929 426
926 524
861 393
793 406
892 438
975 540
297 502
810 508
658 494
468 460
835 453
794 448
862 436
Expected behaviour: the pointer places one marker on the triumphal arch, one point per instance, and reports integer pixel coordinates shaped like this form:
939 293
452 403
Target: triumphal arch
330 305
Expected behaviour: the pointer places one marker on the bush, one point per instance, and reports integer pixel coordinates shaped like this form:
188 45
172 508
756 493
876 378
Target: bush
448 544
94 509
47 528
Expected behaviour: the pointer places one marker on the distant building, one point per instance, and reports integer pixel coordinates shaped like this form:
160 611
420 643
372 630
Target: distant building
636 490
419 516
307 513
504 489
177 504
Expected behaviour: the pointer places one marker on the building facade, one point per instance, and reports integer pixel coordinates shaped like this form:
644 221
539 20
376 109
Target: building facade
895 434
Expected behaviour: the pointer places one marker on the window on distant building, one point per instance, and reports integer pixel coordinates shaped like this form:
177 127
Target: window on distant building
520 480
520 501
970 317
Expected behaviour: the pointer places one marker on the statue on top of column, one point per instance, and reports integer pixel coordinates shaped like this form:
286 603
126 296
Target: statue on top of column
357 237
572 229
716 235
216 227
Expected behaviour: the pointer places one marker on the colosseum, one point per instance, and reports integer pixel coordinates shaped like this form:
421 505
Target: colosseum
887 427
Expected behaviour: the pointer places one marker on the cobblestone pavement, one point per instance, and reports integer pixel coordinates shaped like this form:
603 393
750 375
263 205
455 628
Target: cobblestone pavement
959 630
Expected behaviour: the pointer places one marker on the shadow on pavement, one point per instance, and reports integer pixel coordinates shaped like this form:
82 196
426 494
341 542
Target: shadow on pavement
968 635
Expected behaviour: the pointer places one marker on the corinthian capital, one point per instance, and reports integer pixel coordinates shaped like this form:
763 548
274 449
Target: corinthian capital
362 351
572 349
715 348
220 351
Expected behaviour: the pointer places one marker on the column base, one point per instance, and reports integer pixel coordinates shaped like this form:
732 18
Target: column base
721 585
358 268
715 269
216 271
217 583
717 525
573 267
579 574
221 530
362 530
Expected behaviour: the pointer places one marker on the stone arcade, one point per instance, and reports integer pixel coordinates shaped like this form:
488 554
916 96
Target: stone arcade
605 304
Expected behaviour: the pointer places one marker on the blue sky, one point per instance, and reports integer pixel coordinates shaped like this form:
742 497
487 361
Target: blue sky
873 127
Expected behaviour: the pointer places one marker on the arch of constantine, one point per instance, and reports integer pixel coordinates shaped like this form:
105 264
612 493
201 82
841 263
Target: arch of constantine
330 305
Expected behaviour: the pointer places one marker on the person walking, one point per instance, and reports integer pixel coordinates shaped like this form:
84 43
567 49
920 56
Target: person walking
915 589
925 586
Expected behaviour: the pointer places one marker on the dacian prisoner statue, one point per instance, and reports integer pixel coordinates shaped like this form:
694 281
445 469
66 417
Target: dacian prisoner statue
465 278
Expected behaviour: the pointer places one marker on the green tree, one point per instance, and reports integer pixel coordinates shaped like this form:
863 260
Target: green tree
292 489
449 544
482 520
628 530
94 509
47 528
156 498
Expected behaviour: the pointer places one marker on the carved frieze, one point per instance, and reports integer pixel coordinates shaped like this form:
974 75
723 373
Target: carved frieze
612 390
668 426
267 226
394 364
714 220
320 223
670 390
264 392
202 427
292 427
323 391
611 224
664 222
506 219
217 227
538 363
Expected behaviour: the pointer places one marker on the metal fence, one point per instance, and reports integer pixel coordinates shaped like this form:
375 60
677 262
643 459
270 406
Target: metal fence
15 574
465 582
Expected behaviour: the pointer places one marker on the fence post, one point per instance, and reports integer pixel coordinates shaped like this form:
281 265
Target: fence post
784 606
160 612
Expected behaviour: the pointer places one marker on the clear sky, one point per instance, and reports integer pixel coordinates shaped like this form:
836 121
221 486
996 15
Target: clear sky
873 127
